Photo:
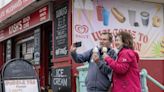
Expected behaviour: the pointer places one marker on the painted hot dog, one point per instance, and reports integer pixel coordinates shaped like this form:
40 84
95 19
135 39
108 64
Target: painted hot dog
118 15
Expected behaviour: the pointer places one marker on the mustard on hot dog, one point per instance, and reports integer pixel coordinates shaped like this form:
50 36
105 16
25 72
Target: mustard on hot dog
118 15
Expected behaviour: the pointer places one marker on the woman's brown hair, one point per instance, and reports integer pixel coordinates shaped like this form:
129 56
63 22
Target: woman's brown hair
127 39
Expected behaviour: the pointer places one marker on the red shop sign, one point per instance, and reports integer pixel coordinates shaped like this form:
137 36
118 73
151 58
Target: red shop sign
13 7
40 16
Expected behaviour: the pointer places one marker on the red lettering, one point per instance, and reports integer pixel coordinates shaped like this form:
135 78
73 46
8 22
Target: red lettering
137 46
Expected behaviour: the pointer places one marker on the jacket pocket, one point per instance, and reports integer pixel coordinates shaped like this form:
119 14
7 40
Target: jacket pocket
124 84
90 85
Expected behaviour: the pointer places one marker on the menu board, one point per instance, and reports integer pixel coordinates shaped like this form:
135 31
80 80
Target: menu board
18 69
61 30
19 75
61 79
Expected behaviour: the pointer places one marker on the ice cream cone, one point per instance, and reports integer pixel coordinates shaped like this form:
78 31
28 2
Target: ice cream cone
90 15
104 49
95 50
89 8
78 4
78 15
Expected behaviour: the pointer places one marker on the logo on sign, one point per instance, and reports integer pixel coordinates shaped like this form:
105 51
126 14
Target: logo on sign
81 29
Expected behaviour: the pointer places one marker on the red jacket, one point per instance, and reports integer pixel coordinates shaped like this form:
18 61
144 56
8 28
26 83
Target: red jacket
126 76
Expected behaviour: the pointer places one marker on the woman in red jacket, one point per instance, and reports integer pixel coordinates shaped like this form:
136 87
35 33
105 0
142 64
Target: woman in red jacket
126 76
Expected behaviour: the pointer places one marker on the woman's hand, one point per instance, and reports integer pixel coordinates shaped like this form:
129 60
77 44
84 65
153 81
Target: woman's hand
105 55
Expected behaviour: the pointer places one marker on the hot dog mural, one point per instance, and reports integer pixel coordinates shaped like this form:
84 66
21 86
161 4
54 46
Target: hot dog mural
145 23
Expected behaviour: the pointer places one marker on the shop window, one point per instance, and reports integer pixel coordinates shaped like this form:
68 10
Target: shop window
25 49
29 50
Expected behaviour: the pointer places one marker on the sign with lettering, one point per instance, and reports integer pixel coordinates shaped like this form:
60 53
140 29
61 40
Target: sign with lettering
61 79
13 7
37 46
21 85
18 68
61 30
143 20
40 16
8 49
18 75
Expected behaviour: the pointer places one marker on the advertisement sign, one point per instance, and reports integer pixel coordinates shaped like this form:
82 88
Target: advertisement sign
61 31
22 25
142 19
13 7
8 49
24 85
37 46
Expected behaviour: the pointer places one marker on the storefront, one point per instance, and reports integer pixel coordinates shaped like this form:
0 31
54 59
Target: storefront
29 36
42 31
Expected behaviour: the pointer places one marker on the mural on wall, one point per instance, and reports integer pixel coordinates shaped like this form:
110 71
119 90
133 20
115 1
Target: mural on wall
143 20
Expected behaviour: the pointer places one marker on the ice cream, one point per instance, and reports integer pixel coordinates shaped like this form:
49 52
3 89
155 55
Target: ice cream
104 49
95 50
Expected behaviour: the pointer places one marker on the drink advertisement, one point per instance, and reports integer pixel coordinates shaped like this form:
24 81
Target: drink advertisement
143 20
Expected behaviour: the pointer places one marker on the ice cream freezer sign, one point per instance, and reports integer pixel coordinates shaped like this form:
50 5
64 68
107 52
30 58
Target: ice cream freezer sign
24 85
142 19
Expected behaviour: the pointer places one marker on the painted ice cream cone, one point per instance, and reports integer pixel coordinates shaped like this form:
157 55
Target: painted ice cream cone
89 8
79 15
78 4
90 15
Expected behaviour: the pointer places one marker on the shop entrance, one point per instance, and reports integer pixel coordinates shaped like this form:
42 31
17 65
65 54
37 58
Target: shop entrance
36 47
